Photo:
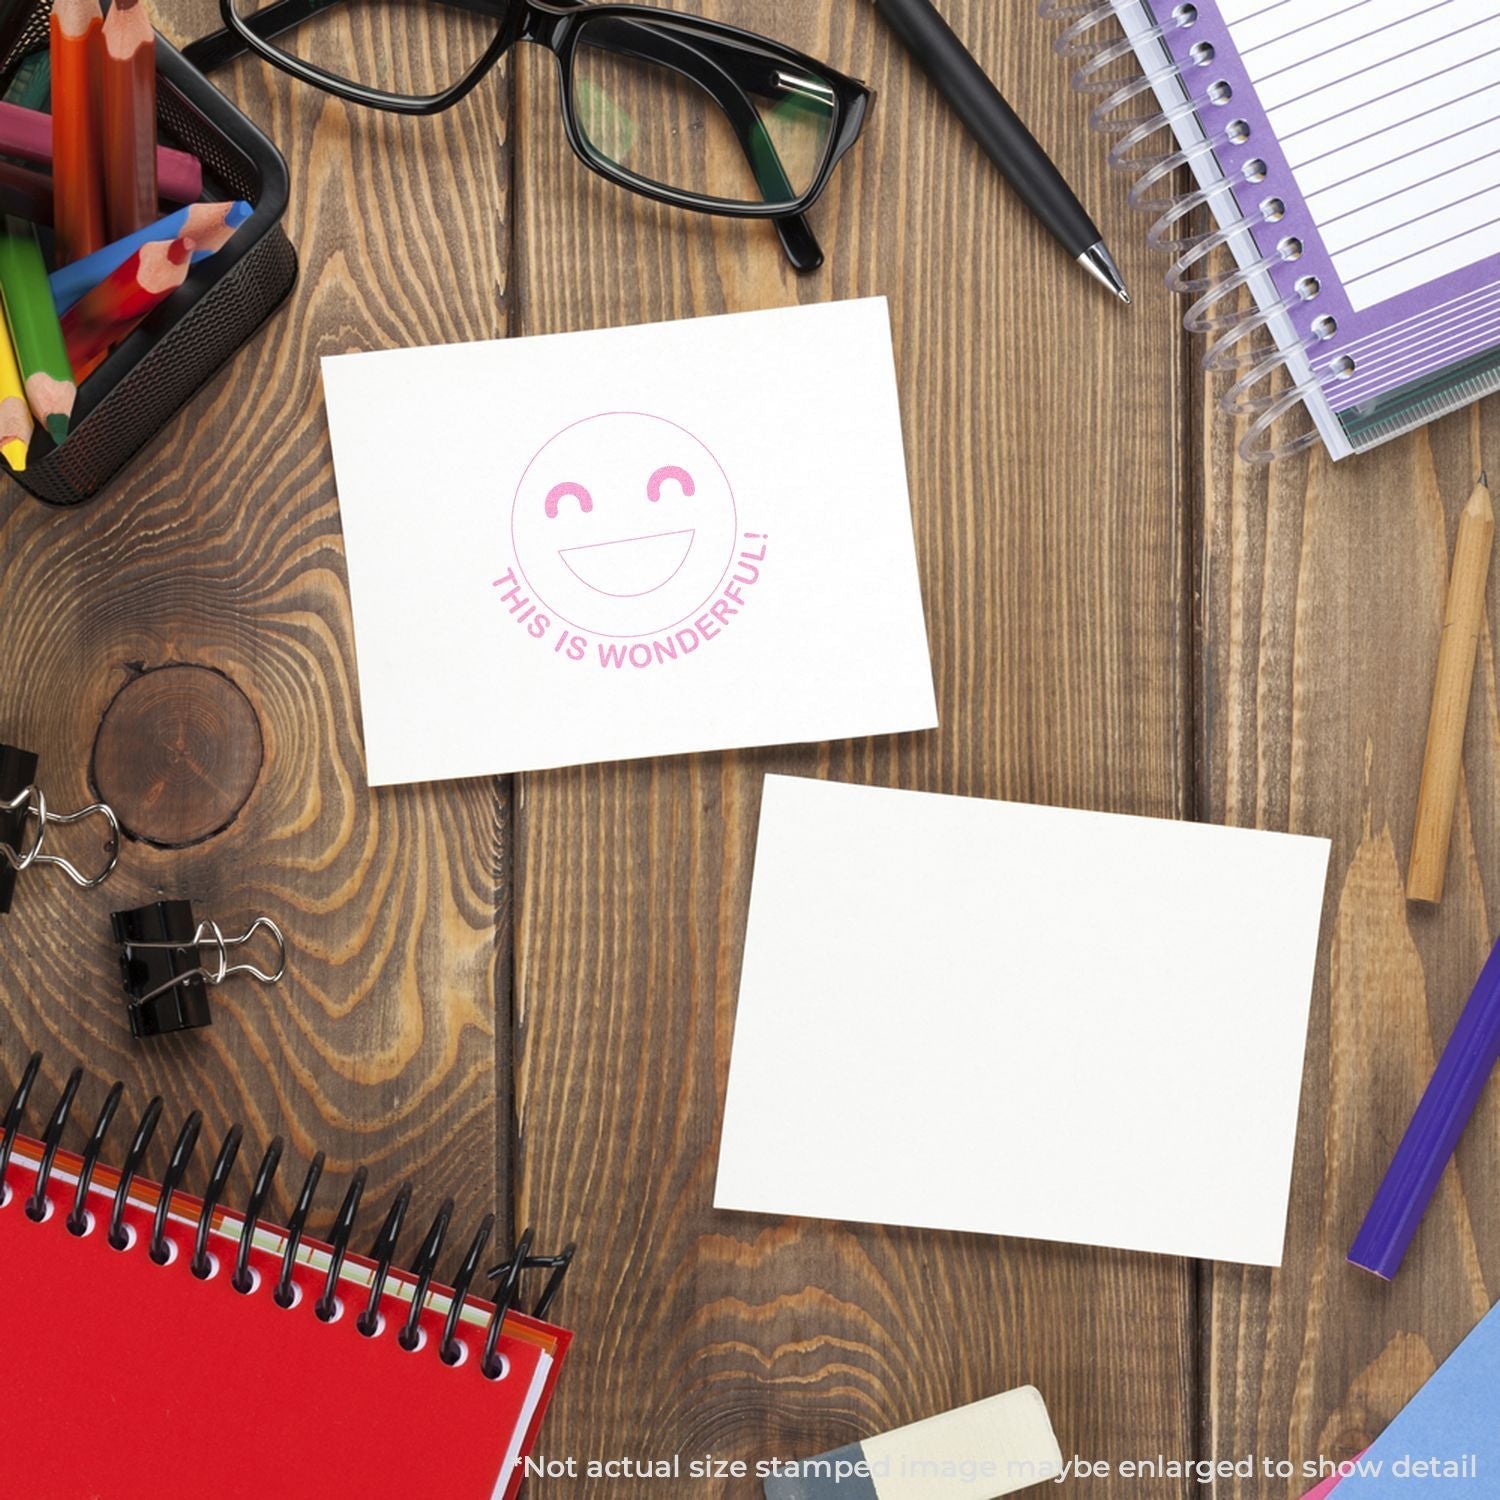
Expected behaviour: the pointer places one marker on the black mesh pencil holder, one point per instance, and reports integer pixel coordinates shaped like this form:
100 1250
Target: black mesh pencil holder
167 360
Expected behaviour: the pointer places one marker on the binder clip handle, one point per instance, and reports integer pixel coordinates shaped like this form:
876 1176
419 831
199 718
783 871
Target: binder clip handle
223 969
207 933
30 807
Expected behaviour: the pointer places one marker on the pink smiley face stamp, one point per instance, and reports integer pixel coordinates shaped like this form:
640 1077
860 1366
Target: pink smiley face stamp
624 525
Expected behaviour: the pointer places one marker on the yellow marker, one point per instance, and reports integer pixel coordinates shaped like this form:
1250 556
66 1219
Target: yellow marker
16 424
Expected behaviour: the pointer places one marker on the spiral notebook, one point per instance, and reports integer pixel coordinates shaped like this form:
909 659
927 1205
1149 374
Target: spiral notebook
1348 151
138 1380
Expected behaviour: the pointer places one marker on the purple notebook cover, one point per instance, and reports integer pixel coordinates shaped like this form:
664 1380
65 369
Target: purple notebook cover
1431 327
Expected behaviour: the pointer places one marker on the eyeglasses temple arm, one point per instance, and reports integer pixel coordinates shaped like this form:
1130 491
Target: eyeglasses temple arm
798 241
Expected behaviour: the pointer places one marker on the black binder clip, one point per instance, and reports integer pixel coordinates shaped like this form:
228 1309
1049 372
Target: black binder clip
25 820
166 977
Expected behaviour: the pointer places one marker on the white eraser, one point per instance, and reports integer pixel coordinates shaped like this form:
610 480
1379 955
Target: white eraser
979 1452
1007 1439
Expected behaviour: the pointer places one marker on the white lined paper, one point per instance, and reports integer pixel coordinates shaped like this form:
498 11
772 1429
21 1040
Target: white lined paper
1389 114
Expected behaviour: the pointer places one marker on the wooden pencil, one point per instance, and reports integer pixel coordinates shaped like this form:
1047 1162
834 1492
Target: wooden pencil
1463 619
16 425
34 328
128 119
99 320
78 182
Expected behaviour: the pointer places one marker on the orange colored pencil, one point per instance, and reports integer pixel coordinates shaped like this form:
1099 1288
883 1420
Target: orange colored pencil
128 119
77 172
99 320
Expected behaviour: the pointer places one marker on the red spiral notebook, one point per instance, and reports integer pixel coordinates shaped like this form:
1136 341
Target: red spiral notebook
130 1380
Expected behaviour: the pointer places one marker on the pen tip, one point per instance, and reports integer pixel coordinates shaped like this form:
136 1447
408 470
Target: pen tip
57 427
1484 479
1098 262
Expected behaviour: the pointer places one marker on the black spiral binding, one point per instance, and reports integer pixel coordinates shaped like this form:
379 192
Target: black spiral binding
385 1249
118 1239
12 1122
343 1226
78 1217
202 1265
369 1323
182 1154
242 1280
450 1351
285 1293
36 1209
422 1268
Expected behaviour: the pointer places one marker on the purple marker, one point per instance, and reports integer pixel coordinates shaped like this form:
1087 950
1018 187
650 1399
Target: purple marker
1433 1135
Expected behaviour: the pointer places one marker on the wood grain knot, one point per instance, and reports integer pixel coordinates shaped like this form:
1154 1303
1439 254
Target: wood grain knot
178 753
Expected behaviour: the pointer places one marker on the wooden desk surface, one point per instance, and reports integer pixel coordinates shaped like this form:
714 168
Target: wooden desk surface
521 991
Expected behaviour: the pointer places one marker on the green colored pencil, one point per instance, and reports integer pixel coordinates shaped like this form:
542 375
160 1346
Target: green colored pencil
34 328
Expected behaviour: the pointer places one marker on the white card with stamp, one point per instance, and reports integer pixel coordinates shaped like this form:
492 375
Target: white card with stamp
641 541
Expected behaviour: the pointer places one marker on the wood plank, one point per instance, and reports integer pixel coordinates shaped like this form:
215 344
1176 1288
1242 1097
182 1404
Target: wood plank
222 550
1045 455
1322 608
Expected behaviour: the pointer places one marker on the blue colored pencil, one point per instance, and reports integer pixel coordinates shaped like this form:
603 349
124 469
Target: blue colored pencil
1433 1135
207 224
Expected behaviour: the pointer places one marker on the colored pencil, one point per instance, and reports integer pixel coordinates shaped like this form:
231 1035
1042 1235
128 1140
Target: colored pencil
1463 622
208 225
77 173
26 134
16 425
128 119
98 321
1435 1130
34 328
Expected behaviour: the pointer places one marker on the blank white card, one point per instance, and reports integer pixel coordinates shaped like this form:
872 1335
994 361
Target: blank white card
1017 1020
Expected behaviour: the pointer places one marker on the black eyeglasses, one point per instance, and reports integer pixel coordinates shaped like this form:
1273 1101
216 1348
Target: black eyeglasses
679 109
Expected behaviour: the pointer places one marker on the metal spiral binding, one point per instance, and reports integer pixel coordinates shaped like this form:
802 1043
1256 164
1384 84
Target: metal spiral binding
1119 114
370 1323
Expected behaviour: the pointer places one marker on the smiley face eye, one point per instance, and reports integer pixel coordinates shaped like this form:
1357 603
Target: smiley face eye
671 471
560 492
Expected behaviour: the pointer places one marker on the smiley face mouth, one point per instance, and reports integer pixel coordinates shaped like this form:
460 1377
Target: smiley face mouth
631 567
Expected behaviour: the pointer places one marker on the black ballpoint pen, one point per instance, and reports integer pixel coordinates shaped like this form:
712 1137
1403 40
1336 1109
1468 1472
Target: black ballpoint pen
997 128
